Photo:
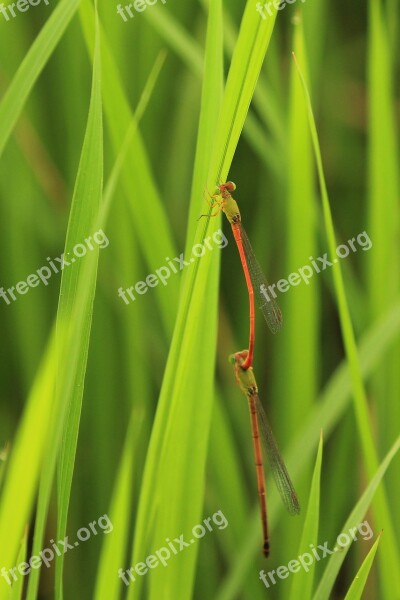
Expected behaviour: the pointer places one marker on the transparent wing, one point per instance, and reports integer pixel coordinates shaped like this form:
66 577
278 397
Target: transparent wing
277 465
266 302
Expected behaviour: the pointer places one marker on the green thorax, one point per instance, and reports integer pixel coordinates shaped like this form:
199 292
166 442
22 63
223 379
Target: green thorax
230 208
246 381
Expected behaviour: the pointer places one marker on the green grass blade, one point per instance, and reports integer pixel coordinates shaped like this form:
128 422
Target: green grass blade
247 60
300 231
18 587
190 53
84 210
266 102
85 206
390 576
169 471
114 546
224 458
132 131
20 483
328 579
302 584
31 67
356 589
383 214
137 178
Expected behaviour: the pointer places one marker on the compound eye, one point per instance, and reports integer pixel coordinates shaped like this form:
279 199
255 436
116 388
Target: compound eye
230 186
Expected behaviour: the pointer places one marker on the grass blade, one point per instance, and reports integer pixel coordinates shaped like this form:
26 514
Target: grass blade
20 483
247 60
326 584
390 576
18 588
175 419
84 210
137 178
383 214
300 227
31 67
356 589
302 584
114 547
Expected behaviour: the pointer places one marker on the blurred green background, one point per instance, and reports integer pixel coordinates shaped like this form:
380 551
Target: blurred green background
351 59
